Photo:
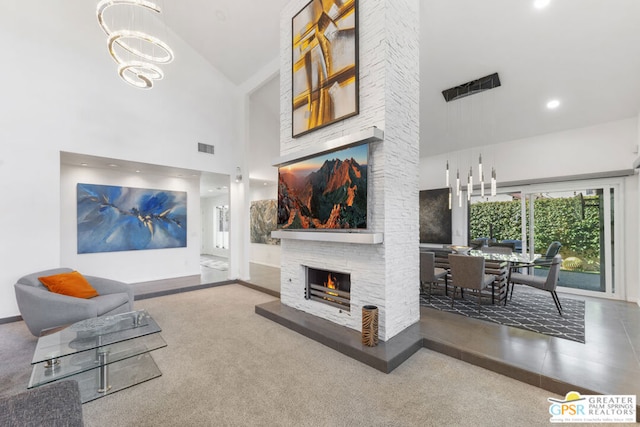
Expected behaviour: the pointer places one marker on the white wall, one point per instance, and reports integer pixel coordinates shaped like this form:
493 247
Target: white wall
60 92
260 253
264 143
133 266
596 149
264 136
637 213
601 148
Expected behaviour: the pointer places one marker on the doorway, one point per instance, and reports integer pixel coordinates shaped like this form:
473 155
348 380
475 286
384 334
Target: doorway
214 237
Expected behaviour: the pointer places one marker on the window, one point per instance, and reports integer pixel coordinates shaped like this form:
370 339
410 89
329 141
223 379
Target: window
221 227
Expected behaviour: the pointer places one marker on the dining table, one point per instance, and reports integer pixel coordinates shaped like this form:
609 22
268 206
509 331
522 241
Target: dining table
515 261
497 264
514 257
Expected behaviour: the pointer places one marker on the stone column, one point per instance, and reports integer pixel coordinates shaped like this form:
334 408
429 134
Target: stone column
385 275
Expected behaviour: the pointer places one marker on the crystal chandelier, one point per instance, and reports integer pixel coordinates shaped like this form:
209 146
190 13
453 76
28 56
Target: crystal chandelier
136 65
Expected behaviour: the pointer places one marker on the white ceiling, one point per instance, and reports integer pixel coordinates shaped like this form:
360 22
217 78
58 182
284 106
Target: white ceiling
584 52
236 36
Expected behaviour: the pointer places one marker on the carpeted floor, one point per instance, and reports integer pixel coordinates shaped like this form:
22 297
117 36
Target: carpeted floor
529 309
225 365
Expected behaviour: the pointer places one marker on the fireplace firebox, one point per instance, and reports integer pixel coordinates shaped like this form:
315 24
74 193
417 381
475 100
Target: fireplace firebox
329 287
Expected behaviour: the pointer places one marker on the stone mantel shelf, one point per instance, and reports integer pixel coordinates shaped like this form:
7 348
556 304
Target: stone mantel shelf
371 134
329 236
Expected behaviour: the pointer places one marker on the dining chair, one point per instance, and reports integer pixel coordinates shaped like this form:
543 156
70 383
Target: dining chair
547 283
552 251
430 274
503 244
468 272
517 244
476 244
506 250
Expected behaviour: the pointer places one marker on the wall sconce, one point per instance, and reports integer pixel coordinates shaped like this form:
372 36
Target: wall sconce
238 174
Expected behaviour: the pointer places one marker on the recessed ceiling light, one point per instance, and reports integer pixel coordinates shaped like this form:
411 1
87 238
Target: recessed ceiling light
137 170
541 4
84 164
210 191
266 183
112 165
553 104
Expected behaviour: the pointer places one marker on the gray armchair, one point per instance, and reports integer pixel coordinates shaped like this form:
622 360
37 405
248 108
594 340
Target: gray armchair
42 309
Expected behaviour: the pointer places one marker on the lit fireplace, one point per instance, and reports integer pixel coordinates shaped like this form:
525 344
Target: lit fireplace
329 287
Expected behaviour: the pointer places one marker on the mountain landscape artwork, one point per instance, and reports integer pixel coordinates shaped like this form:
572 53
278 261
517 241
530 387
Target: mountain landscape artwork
325 192
113 218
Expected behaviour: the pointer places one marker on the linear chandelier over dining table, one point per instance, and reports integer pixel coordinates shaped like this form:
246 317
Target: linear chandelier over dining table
462 91
469 183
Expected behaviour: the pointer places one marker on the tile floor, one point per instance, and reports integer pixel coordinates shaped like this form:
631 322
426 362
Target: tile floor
608 362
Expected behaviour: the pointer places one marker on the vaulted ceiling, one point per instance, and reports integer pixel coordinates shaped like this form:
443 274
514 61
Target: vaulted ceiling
586 53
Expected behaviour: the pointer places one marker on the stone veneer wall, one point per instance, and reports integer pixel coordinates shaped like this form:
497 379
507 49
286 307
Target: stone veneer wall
385 275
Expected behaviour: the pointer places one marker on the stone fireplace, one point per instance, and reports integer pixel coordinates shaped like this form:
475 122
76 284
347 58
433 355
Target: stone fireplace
329 287
383 260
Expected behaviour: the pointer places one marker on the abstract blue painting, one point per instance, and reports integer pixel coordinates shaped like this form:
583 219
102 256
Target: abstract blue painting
114 218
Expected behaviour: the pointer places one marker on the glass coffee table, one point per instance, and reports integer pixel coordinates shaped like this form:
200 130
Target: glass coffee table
104 354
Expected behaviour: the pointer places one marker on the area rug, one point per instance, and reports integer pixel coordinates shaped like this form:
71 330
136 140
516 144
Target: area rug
214 263
529 309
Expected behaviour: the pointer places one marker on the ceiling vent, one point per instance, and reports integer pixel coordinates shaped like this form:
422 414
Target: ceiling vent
205 148
472 87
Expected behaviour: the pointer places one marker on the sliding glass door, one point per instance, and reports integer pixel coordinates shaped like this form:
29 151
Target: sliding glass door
583 217
576 221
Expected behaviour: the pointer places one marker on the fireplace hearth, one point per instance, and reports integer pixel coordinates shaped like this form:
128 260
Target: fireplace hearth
329 287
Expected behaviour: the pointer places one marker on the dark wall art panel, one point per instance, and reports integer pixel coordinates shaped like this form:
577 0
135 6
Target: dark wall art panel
112 218
435 216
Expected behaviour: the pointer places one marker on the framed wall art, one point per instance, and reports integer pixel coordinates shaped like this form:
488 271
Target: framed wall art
324 64
328 191
113 218
263 215
435 216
